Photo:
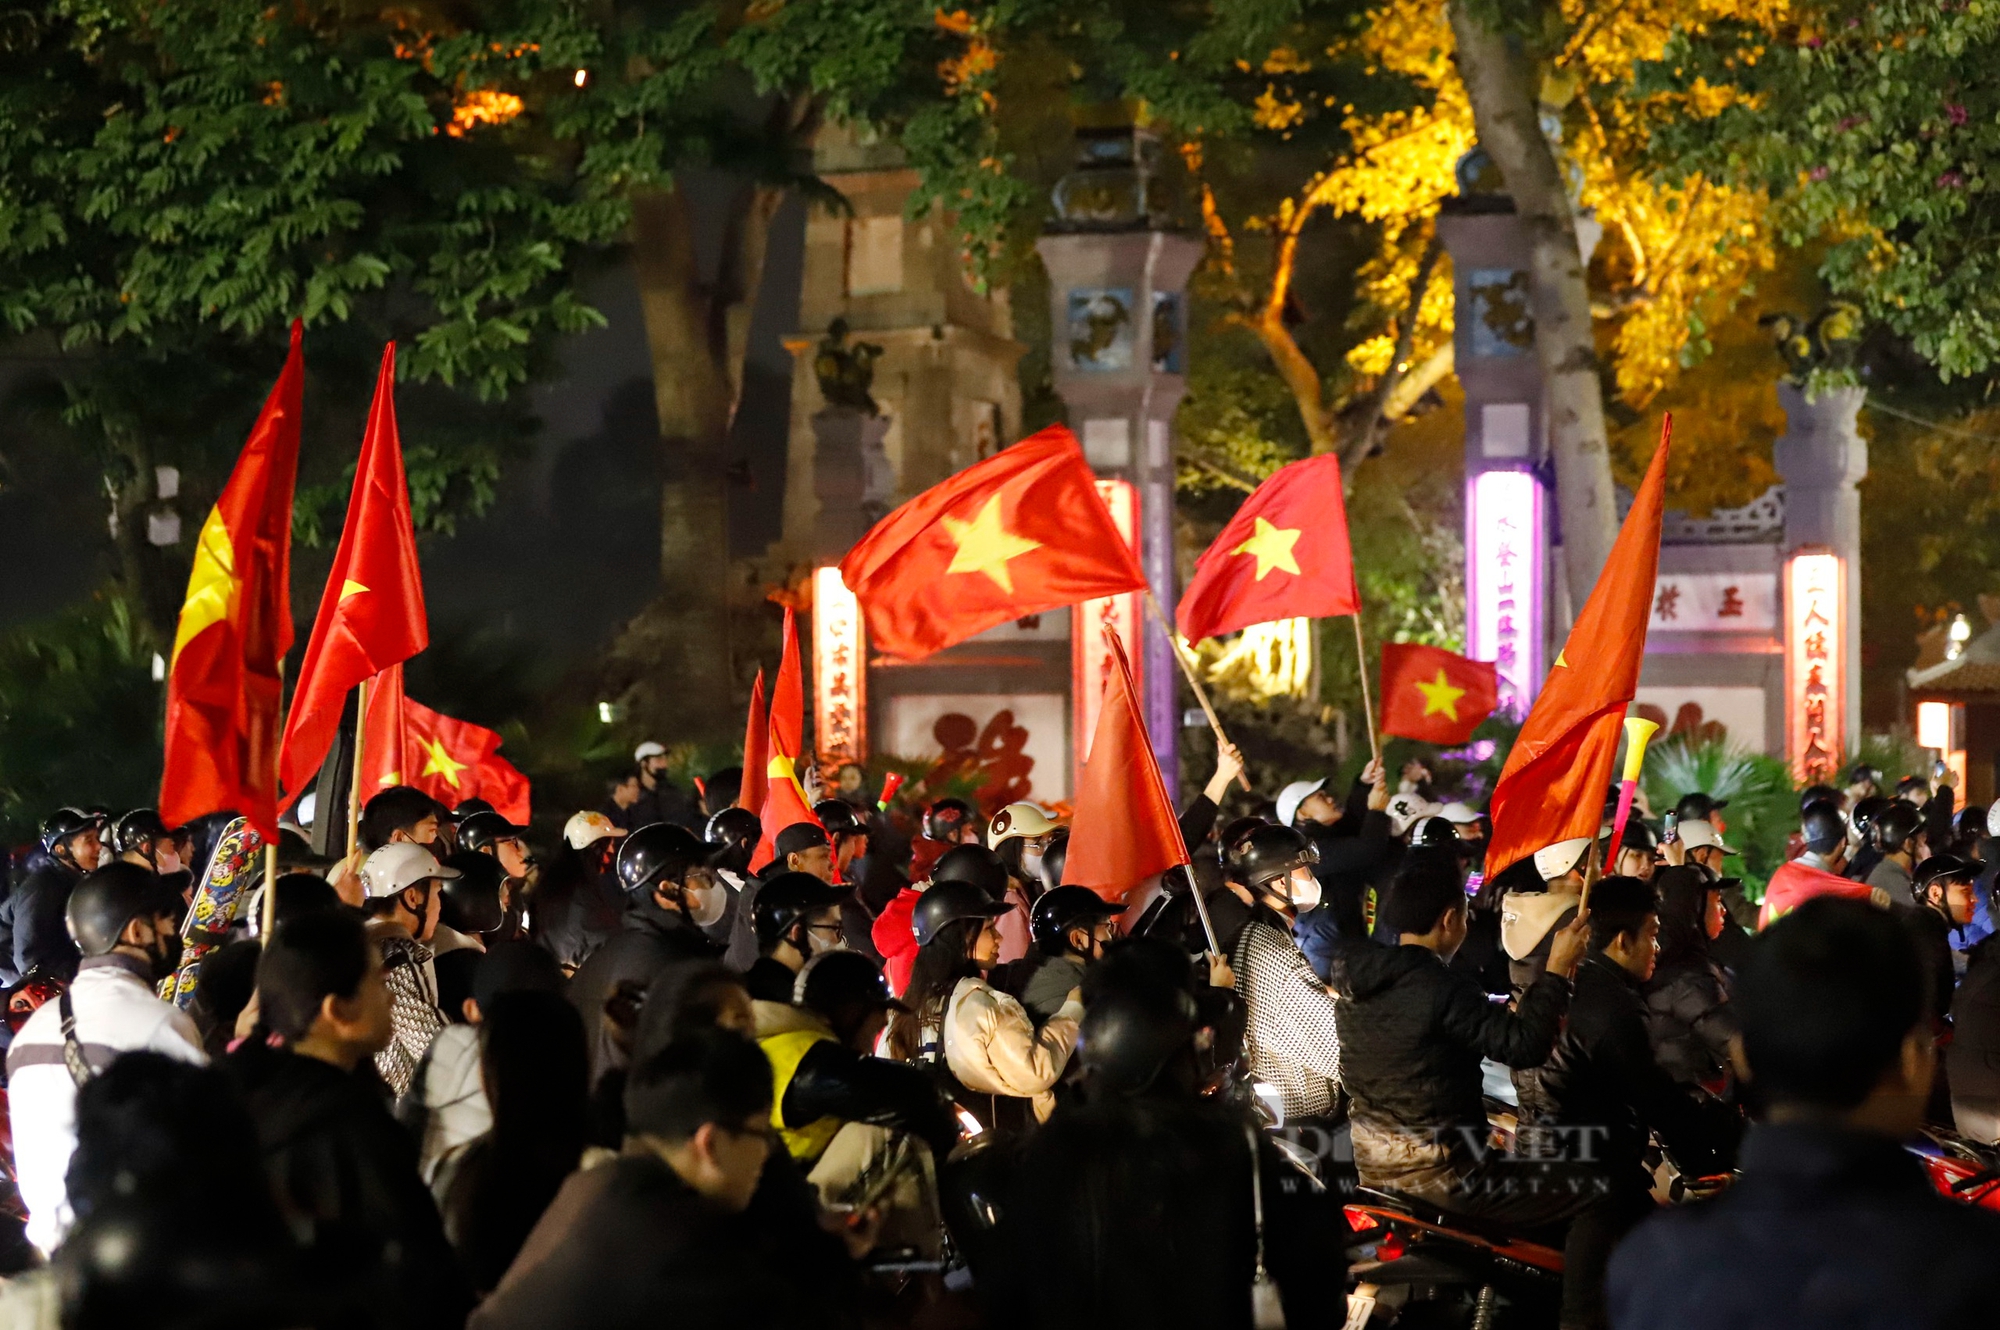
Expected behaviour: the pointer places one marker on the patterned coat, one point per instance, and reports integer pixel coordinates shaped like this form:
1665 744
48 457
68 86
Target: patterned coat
413 1006
1292 1039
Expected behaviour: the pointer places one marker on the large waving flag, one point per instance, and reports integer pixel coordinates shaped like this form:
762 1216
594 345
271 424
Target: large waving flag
784 798
1433 695
756 751
1285 555
1552 788
225 691
1125 829
1022 532
372 614
404 742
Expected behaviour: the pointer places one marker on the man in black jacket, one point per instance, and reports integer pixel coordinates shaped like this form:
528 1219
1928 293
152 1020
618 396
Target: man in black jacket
1412 1035
1833 1223
1601 1092
32 933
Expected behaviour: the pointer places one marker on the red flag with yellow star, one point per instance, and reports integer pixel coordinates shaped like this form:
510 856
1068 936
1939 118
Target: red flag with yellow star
784 803
1552 788
406 743
372 613
1022 532
225 697
1433 695
1285 555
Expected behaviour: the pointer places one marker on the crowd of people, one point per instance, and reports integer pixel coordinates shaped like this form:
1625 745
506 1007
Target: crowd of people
889 1068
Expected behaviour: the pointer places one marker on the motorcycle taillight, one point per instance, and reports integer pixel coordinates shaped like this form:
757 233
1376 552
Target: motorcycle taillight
1358 1219
1391 1248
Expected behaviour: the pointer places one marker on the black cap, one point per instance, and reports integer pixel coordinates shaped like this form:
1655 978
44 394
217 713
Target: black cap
800 837
139 827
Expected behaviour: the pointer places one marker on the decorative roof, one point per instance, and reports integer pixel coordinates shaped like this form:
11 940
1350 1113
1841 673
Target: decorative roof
1974 670
1758 522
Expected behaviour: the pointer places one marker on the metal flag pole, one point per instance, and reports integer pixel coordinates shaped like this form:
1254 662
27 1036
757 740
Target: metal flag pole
1200 693
354 786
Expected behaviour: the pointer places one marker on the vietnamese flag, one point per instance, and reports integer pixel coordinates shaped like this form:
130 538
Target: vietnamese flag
225 690
784 803
756 751
1022 532
372 613
1434 695
1125 829
1285 555
1552 787
406 743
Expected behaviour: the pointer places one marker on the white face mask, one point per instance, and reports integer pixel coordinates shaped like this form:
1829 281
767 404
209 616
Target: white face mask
820 942
165 862
1305 894
706 904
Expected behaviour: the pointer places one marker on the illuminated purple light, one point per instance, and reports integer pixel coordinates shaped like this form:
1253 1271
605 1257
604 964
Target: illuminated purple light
1504 556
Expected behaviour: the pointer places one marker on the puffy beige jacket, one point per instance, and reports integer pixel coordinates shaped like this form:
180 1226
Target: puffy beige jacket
992 1046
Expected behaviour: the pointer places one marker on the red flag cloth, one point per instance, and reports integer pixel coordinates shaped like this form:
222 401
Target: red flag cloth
407 743
788 693
1284 555
1795 883
1434 695
1125 829
1022 532
225 690
1553 785
372 613
784 802
756 751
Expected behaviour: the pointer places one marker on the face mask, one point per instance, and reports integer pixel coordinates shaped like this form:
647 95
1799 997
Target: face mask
166 955
1305 895
705 905
1031 865
820 942
165 862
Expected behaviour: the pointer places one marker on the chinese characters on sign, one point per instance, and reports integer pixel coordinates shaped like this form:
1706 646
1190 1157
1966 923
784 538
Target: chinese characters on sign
1815 696
1090 658
1504 559
840 717
1715 602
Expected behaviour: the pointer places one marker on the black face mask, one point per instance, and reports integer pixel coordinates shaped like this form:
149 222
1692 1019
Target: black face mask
166 953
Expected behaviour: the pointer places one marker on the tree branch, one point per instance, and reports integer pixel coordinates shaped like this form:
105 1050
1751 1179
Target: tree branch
1197 457
1406 334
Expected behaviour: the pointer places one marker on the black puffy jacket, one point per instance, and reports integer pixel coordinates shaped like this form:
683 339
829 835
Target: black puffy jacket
1973 1059
33 931
1413 1032
1689 1020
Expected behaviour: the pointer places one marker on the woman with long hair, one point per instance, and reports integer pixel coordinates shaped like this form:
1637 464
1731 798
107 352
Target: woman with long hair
982 1042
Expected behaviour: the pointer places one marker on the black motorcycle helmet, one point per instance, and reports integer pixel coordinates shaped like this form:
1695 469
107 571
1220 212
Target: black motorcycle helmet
1065 908
1128 1038
662 850
1943 870
483 829
948 902
1913 789
1434 833
1895 825
1269 852
136 831
467 807
1823 827
947 817
1861 818
839 818
733 826
1812 794
843 986
108 898
1055 857
1639 835
975 864
471 901
1698 807
1970 824
783 901
67 822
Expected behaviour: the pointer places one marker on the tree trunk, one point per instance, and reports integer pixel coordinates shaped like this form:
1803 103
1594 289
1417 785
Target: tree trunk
1503 82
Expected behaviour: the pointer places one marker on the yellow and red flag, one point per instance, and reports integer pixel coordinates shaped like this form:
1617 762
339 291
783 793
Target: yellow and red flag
784 802
372 613
1284 555
1433 695
225 691
1022 532
756 751
404 742
1553 785
1125 829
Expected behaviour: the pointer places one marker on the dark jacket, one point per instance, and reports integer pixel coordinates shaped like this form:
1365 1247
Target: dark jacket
1352 854
1045 983
1413 1032
1931 931
651 940
32 927
1827 1229
1689 1020
1972 1061
345 1175
642 1250
1602 1076
770 980
834 1081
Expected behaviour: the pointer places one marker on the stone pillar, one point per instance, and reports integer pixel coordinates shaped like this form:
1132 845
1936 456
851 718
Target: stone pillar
852 478
1822 457
1118 281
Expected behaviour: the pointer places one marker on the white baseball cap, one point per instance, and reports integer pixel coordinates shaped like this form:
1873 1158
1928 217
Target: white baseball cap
394 867
1459 814
1552 861
1699 834
1295 794
648 749
587 828
1407 809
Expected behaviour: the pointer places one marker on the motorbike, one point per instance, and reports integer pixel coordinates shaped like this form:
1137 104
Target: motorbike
1960 1169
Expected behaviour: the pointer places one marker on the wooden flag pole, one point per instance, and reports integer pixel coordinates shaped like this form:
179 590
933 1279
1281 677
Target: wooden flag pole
354 785
1200 693
268 916
1590 875
1367 704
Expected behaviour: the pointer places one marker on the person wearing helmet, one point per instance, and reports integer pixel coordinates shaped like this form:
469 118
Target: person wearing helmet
1689 1019
488 832
893 934
1638 851
660 800
1817 872
140 837
796 917
668 889
732 838
1072 926
32 936
1898 835
980 1043
1863 782
803 847
1947 892
1701 843
1355 843
474 907
856 864
1019 834
1294 1044
1530 920
405 896
947 823
126 928
1862 856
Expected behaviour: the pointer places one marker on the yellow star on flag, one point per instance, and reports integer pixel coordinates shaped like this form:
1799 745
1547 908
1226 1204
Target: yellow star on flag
1440 696
1562 659
1271 546
437 762
985 545
348 586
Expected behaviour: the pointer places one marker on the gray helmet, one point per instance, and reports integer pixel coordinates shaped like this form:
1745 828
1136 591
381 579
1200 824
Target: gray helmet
946 903
108 898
